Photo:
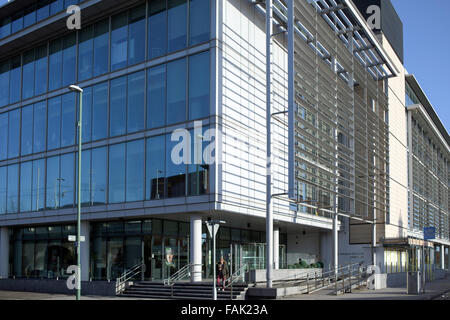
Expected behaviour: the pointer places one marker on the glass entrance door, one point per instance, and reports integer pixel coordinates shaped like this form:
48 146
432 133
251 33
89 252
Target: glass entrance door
153 257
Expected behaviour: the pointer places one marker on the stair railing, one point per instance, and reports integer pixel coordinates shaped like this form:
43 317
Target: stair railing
128 275
236 276
181 274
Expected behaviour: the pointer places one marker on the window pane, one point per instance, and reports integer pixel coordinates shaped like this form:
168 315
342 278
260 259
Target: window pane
56 6
12 201
85 54
177 24
54 123
29 17
14 133
136 46
176 173
3 181
15 80
52 183
156 97
69 59
199 86
155 168
85 177
41 70
27 130
99 165
4 83
68 119
118 106
87 115
198 170
199 21
135 170
176 91
119 41
3 135
17 22
117 173
101 47
67 180
37 203
5 27
157 28
25 186
55 65
39 126
99 111
28 75
43 10
136 102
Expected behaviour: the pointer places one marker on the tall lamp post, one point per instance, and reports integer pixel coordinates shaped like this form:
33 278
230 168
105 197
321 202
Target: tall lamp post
213 227
77 89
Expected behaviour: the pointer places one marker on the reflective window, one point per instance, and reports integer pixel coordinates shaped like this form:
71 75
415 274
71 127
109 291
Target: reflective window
101 47
87 115
98 176
135 168
175 173
199 28
12 200
67 181
40 85
117 173
136 45
43 10
5 27
55 65
199 85
177 25
28 75
68 119
38 189
54 123
119 41
85 53
39 126
14 133
69 59
157 28
176 91
136 102
17 22
29 17
52 183
156 96
155 168
15 80
3 183
4 83
86 191
99 111
25 186
198 169
3 135
56 6
27 130
118 105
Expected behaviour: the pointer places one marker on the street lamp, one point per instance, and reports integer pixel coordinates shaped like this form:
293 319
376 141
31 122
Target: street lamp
77 89
213 227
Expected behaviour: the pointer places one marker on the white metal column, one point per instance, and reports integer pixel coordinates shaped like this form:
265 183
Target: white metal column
4 252
276 248
269 213
196 248
335 242
85 245
442 257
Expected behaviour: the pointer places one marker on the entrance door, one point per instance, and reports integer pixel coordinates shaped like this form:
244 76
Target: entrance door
153 257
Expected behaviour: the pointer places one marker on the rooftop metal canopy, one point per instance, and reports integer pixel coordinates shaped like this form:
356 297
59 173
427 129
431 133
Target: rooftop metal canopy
348 24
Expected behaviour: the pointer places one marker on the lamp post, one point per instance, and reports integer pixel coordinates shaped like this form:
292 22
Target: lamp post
80 121
213 227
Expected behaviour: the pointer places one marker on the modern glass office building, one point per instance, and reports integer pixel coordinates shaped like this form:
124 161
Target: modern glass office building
159 72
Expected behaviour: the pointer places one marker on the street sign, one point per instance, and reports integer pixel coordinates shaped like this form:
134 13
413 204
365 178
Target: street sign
429 233
74 238
212 229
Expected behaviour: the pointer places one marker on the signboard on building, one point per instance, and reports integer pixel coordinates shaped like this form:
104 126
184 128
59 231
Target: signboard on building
429 233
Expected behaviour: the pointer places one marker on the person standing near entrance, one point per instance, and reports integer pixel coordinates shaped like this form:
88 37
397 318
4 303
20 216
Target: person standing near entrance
222 273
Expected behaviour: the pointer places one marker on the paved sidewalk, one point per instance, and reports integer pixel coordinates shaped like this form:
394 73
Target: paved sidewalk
17 295
436 290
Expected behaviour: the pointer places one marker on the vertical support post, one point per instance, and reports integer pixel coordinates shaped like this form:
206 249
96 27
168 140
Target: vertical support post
374 240
276 248
85 245
269 213
4 253
80 126
442 257
196 248
214 262
335 243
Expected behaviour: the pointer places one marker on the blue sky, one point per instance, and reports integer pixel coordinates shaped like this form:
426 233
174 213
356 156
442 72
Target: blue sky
427 49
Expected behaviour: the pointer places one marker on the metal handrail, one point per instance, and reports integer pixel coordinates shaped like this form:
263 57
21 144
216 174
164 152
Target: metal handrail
180 274
127 275
236 276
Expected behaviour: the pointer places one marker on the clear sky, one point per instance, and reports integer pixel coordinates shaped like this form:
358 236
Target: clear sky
427 49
